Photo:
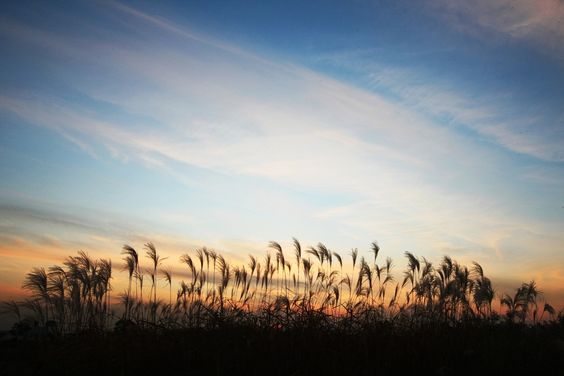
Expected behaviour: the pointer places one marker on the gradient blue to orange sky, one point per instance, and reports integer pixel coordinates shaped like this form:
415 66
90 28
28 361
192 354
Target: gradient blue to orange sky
435 127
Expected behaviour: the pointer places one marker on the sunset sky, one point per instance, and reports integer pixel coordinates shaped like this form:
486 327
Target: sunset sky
436 128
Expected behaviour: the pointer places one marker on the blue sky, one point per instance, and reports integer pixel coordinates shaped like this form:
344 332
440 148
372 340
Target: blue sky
436 128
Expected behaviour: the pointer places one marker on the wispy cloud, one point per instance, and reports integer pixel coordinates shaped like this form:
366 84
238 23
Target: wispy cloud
269 119
497 116
537 22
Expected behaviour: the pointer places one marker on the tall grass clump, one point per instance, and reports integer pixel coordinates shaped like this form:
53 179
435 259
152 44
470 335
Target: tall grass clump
304 287
70 298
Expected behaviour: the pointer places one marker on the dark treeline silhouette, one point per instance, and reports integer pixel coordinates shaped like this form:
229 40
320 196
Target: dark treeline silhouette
297 298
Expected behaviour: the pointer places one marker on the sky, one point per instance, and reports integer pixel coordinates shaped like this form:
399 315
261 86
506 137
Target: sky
435 127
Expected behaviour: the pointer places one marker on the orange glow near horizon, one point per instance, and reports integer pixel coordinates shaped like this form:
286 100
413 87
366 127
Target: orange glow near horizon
20 257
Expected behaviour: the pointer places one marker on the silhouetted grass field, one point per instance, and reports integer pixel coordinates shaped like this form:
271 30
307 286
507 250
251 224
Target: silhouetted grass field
308 313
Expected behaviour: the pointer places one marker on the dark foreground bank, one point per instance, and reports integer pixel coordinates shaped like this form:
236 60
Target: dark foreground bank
504 348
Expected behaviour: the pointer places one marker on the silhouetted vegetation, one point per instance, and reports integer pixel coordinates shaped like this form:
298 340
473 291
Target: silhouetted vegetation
289 305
